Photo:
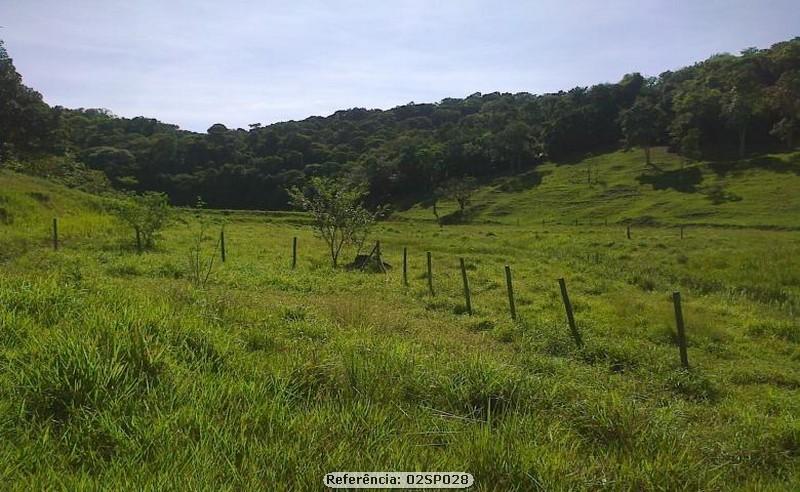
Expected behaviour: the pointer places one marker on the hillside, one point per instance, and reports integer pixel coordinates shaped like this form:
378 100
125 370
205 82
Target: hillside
618 187
725 107
119 371
28 205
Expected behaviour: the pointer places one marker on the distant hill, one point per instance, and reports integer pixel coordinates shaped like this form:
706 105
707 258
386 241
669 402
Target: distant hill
726 107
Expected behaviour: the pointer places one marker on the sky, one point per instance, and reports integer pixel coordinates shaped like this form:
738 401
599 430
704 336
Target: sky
199 62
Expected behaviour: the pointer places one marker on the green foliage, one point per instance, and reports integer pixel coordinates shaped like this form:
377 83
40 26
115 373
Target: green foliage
146 213
460 190
27 123
715 109
785 98
199 261
118 164
65 170
643 125
337 211
116 373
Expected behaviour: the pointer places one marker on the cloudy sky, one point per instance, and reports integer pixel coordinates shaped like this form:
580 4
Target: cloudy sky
198 62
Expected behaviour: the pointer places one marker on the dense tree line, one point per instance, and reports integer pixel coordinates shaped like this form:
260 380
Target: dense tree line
725 106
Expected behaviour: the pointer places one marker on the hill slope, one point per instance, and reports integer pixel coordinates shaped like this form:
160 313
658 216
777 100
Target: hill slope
28 205
619 187
410 150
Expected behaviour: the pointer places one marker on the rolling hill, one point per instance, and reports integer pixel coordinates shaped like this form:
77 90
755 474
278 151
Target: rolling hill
619 188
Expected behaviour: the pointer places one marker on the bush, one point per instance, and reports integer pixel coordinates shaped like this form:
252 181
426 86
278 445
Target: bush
338 214
147 214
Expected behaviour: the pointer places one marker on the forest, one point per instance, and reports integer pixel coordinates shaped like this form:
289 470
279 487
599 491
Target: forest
726 106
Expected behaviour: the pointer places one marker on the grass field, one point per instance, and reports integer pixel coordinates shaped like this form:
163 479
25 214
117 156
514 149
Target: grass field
116 372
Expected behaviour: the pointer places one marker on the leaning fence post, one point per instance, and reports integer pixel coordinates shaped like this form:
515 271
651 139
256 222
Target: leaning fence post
222 243
138 240
405 266
510 287
55 233
378 256
466 286
676 301
570 318
628 231
430 274
294 252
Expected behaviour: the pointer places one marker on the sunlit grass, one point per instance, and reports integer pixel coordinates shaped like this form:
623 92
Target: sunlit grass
115 371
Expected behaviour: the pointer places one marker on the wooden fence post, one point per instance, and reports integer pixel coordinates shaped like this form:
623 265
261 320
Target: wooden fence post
570 318
681 232
676 301
466 286
510 288
405 266
222 244
138 240
294 252
55 234
378 257
628 231
430 275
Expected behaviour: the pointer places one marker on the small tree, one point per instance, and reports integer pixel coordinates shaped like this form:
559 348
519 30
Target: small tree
147 214
200 262
338 214
643 125
460 191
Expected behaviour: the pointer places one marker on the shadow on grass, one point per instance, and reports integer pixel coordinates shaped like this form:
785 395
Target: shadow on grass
521 182
766 163
683 180
718 195
457 217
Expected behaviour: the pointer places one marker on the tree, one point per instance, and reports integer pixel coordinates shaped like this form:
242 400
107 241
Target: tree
738 107
405 153
147 213
118 164
27 123
786 129
459 190
689 145
785 98
337 211
642 124
514 145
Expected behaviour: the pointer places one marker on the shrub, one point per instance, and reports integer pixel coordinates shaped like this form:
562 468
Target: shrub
199 261
338 214
147 214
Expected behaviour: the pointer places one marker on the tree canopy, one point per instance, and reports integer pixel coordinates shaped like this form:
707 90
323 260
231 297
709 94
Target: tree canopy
726 105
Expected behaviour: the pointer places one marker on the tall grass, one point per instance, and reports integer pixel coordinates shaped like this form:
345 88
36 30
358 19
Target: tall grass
117 372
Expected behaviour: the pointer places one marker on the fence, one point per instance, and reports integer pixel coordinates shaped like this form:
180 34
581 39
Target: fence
570 317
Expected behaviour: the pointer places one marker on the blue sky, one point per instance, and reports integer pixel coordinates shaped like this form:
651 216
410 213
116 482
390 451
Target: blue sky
198 62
